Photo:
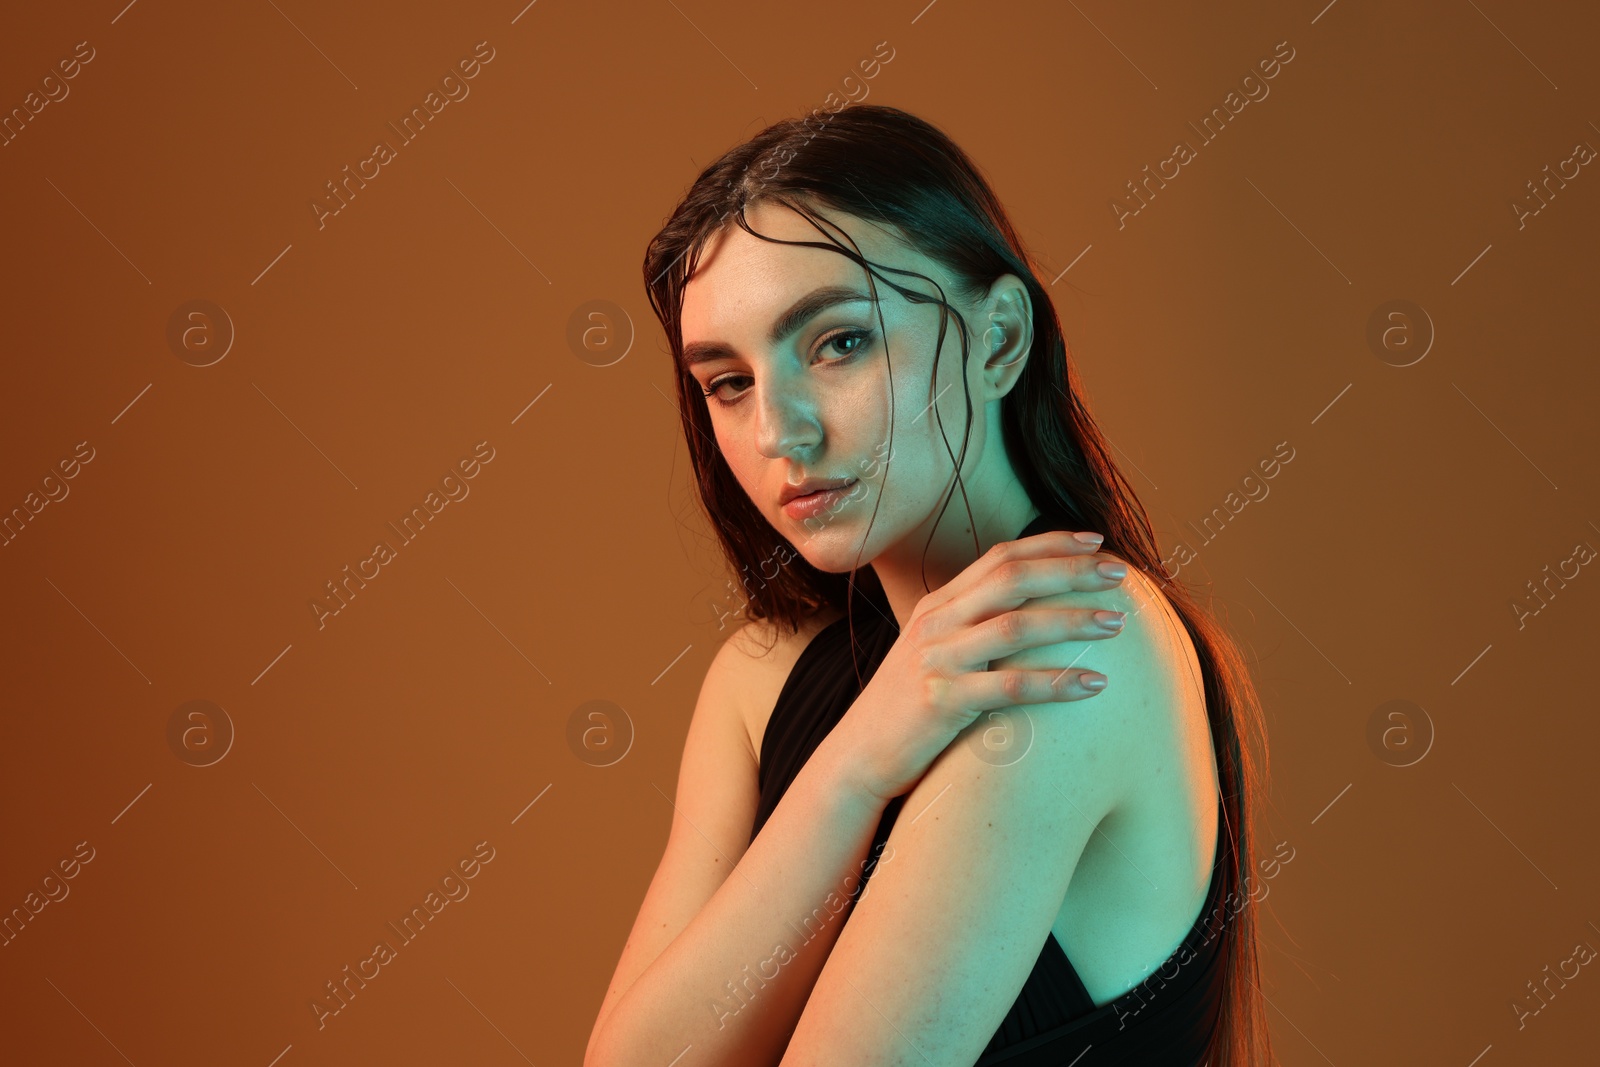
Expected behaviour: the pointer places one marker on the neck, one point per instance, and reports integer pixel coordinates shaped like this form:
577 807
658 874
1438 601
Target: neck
956 544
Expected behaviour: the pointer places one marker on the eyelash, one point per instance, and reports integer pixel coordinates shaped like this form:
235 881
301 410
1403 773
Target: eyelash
863 336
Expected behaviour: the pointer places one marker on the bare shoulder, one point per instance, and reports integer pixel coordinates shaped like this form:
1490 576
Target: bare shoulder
763 654
1145 595
1152 663
1154 623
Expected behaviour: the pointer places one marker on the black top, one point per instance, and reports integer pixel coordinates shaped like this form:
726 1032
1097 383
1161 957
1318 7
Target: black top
1164 1020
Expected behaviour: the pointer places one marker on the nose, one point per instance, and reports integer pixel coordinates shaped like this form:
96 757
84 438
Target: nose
786 421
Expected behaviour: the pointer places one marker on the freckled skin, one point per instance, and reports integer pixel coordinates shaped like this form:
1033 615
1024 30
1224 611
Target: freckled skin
812 407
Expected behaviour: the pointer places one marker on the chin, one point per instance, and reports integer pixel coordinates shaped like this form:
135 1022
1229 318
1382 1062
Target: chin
834 549
827 551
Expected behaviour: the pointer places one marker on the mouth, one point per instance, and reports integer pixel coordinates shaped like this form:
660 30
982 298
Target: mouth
809 504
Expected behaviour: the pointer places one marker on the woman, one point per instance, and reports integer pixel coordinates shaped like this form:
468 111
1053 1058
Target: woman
806 284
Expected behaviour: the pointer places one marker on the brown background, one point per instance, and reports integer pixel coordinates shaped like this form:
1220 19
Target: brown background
372 354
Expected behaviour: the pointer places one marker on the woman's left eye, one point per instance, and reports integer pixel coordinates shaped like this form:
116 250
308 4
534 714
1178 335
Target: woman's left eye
859 336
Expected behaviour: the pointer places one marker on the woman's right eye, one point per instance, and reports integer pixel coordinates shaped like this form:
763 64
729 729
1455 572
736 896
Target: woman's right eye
712 389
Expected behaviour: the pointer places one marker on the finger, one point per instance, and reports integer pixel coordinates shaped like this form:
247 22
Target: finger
1011 584
1031 626
1053 543
1048 548
988 690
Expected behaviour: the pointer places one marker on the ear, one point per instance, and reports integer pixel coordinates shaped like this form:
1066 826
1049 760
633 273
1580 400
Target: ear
1005 337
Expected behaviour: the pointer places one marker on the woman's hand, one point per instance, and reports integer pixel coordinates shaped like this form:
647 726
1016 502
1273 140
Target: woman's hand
935 680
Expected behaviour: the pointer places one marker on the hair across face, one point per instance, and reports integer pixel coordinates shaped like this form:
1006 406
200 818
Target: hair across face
809 370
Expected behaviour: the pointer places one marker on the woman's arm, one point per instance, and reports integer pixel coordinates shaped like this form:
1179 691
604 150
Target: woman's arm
733 984
734 980
934 959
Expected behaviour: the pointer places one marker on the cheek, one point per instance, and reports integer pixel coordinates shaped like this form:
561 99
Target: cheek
929 412
736 451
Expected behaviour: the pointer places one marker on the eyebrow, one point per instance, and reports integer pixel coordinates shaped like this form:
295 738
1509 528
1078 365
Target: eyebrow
800 312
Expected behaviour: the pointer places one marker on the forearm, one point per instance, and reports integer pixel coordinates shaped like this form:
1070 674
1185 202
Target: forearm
734 983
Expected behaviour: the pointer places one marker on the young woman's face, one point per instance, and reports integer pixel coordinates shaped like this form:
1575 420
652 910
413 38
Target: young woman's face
808 396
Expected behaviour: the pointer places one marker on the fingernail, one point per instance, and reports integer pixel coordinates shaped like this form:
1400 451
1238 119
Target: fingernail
1093 681
1113 570
1111 620
1090 538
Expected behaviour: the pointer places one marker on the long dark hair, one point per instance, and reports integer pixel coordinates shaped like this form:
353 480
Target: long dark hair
890 167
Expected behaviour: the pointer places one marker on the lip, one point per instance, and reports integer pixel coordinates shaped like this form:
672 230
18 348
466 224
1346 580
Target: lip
811 485
802 505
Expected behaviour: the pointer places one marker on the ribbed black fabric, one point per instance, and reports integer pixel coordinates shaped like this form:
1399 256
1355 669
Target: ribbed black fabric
1165 1020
